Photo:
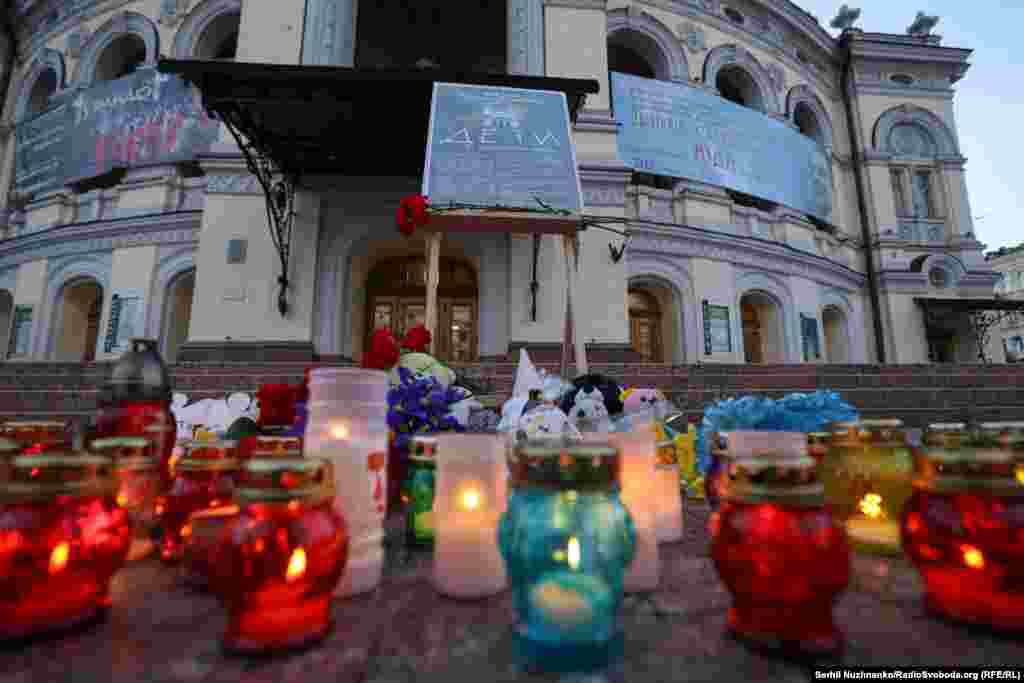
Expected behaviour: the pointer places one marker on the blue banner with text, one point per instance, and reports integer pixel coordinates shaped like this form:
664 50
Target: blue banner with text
676 130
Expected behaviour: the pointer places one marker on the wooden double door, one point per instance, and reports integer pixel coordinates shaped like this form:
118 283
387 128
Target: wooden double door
457 333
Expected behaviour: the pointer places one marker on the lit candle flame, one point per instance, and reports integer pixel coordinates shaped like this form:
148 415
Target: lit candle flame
973 558
59 558
1020 473
296 566
122 500
339 432
573 554
871 506
470 499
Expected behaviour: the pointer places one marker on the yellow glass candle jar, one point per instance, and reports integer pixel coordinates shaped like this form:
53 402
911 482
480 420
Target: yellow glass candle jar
868 479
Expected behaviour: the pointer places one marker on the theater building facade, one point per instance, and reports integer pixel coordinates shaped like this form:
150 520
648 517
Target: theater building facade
129 210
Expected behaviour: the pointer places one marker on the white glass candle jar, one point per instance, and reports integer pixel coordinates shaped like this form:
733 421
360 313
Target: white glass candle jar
469 498
667 493
352 435
637 452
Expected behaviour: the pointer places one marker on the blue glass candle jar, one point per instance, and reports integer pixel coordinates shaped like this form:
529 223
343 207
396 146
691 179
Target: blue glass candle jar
418 492
566 540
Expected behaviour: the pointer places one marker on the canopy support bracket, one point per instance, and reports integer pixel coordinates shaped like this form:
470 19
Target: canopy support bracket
278 188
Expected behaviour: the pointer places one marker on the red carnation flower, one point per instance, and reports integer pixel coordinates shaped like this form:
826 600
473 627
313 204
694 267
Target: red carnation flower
417 339
412 212
383 353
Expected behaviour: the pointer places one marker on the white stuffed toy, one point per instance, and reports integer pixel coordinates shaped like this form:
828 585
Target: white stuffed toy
589 409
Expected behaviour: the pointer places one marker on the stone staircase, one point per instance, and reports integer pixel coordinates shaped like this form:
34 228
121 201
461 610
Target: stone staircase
918 394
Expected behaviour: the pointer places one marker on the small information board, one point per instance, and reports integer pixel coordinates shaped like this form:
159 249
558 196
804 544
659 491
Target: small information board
809 332
21 331
126 320
717 332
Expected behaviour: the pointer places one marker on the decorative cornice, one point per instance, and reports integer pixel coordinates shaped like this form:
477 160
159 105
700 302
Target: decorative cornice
233 184
755 254
80 238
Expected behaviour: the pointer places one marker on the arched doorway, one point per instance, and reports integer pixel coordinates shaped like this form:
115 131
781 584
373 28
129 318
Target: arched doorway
396 298
177 313
833 321
645 325
6 310
762 329
78 328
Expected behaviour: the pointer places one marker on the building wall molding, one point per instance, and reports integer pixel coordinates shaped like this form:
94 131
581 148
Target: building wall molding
83 238
525 38
762 255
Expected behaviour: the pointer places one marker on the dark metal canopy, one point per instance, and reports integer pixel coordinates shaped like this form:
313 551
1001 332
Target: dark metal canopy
970 305
336 120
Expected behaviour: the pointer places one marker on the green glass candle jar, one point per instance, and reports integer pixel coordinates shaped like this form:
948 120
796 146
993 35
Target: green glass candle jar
868 478
566 540
418 492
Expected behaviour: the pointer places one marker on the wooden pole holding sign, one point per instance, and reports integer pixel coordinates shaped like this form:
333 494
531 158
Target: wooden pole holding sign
570 244
433 239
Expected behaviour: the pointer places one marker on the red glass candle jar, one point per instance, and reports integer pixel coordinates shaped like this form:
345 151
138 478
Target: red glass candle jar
781 554
151 420
9 449
62 537
201 538
269 447
277 406
281 558
38 436
203 479
818 444
139 480
964 531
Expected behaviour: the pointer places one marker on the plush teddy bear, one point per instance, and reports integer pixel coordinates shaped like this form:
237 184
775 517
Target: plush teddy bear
589 412
641 400
608 389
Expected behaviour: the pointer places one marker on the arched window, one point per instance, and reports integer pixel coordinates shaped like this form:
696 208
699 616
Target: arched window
736 85
738 77
627 60
42 90
210 31
807 123
43 80
119 47
121 58
807 112
220 38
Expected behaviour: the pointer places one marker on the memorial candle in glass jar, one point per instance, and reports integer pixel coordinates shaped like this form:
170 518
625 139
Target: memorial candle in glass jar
964 531
62 537
139 480
566 540
638 451
781 554
203 479
470 497
281 557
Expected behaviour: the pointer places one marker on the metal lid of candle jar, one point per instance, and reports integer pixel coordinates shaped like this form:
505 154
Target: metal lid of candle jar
119 447
979 464
208 456
944 435
774 477
139 375
1010 434
282 480
565 464
43 477
877 432
423 448
276 447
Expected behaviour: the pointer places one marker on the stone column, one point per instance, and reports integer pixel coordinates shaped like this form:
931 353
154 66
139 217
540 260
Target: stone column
526 37
330 33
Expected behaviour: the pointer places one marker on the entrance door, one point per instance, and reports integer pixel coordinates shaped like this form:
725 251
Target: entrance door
396 300
753 345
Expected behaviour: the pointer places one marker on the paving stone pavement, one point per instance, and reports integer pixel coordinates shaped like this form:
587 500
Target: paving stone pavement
160 631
